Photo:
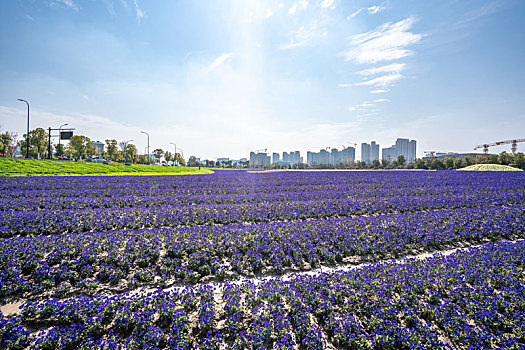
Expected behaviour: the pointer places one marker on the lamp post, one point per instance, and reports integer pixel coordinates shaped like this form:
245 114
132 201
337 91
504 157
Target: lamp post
59 132
182 155
124 149
27 137
174 145
148 142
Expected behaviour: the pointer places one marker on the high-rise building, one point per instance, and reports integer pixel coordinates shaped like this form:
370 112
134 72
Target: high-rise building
369 152
259 160
347 155
402 147
412 151
324 157
389 153
374 151
334 157
99 146
275 158
365 153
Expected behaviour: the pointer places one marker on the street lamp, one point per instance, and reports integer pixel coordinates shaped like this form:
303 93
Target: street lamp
60 132
148 142
27 137
174 154
181 154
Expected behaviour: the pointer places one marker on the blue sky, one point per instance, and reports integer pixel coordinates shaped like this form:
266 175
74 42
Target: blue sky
223 78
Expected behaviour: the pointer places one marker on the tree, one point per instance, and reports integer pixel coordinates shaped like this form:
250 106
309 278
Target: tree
81 146
8 143
437 164
458 163
178 159
401 160
59 150
421 164
158 153
469 161
449 163
519 161
37 143
112 150
168 156
376 164
130 153
192 161
505 158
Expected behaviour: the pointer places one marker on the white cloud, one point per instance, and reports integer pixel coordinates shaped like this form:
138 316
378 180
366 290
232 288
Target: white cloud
85 97
140 14
379 91
343 85
292 9
29 18
328 4
225 57
67 3
378 8
390 68
281 5
302 37
474 15
364 106
385 43
269 13
355 13
383 81
379 100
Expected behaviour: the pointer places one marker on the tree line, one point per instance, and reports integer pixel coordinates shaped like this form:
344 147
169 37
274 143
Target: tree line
429 163
80 147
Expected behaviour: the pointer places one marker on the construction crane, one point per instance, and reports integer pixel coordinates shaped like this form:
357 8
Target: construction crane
514 146
352 143
260 150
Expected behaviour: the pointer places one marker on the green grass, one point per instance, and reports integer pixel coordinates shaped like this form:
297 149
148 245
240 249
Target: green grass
490 167
33 167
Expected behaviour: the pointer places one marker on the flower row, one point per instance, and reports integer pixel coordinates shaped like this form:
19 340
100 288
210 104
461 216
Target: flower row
471 299
87 262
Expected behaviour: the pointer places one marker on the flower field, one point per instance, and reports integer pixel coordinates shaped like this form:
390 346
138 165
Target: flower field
219 261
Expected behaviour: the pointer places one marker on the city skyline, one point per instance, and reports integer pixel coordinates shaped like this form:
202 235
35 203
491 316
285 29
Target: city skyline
227 78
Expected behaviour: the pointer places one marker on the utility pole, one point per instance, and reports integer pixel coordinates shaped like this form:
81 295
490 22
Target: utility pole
59 137
148 143
49 144
27 137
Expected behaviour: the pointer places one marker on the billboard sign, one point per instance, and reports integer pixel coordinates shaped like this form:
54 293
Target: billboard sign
66 135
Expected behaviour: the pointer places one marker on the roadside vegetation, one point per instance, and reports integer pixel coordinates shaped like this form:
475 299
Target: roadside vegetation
490 167
33 167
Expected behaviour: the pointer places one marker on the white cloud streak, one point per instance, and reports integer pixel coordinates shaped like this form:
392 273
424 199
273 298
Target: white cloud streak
225 57
385 5
383 81
139 13
390 68
67 3
328 4
302 37
355 13
385 43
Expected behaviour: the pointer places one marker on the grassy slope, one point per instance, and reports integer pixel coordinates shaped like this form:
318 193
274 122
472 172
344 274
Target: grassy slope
490 167
33 167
